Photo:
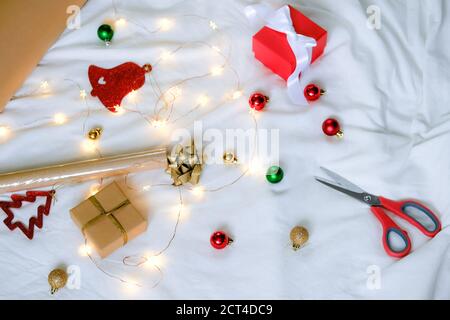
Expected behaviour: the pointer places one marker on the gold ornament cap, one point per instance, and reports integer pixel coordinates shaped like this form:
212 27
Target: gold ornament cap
57 279
229 158
95 133
147 67
299 237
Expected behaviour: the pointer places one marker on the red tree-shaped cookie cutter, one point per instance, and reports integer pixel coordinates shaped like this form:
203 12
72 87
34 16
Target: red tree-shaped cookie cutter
16 203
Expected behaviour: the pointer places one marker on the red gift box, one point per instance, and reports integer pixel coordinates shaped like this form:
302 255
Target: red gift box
272 48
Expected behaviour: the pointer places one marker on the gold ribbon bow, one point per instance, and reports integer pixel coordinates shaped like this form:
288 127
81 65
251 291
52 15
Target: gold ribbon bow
184 165
110 215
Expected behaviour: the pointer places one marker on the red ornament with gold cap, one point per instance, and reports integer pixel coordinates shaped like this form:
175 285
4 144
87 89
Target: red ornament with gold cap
258 101
331 127
220 240
313 92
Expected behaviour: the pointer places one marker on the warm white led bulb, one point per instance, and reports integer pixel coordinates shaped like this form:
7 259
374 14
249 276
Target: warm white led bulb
165 24
85 250
83 94
130 285
253 112
158 123
60 118
181 211
256 167
94 189
166 56
216 70
119 110
198 191
4 132
121 22
89 146
203 100
174 93
44 85
213 25
132 95
237 94
153 260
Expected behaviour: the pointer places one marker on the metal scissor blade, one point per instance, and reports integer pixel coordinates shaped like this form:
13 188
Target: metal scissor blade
336 186
343 185
342 182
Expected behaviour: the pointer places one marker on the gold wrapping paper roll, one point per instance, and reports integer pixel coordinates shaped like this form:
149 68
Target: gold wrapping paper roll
83 170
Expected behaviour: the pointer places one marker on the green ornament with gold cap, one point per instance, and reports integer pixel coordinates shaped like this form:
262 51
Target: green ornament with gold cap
274 174
105 32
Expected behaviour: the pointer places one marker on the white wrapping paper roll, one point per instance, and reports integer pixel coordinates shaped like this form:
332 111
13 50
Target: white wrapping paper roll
83 170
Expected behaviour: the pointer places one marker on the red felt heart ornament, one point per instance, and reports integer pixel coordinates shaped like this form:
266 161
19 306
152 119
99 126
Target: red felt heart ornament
112 85
16 203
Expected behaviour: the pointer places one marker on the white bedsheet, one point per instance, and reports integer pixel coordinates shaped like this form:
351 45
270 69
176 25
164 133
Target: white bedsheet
388 87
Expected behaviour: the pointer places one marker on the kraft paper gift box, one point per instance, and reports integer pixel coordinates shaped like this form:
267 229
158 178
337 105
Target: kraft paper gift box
27 30
272 48
108 220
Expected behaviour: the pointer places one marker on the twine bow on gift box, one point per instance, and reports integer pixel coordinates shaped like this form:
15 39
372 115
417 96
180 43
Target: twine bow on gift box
281 21
109 214
184 165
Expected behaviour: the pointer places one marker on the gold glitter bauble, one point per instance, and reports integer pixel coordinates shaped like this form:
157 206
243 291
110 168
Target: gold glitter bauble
57 280
299 237
229 158
95 133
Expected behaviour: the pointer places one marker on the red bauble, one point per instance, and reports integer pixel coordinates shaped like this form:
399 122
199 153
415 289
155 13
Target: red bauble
258 101
331 127
312 92
112 85
38 220
219 240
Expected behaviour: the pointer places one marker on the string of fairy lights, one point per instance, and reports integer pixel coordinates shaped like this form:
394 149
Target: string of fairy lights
158 118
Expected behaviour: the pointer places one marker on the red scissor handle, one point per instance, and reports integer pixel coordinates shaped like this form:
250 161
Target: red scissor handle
424 219
400 208
390 227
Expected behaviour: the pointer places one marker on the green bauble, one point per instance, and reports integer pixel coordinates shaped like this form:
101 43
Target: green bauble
274 174
105 32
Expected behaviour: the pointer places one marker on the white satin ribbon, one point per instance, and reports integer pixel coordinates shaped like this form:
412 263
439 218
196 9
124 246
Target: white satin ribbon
301 46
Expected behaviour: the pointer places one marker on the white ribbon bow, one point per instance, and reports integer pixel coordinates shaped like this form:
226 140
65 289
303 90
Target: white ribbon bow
301 46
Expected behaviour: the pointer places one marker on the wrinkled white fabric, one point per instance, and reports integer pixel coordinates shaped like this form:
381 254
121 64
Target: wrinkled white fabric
389 88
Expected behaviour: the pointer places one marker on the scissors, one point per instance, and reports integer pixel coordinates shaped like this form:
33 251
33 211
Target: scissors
421 217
